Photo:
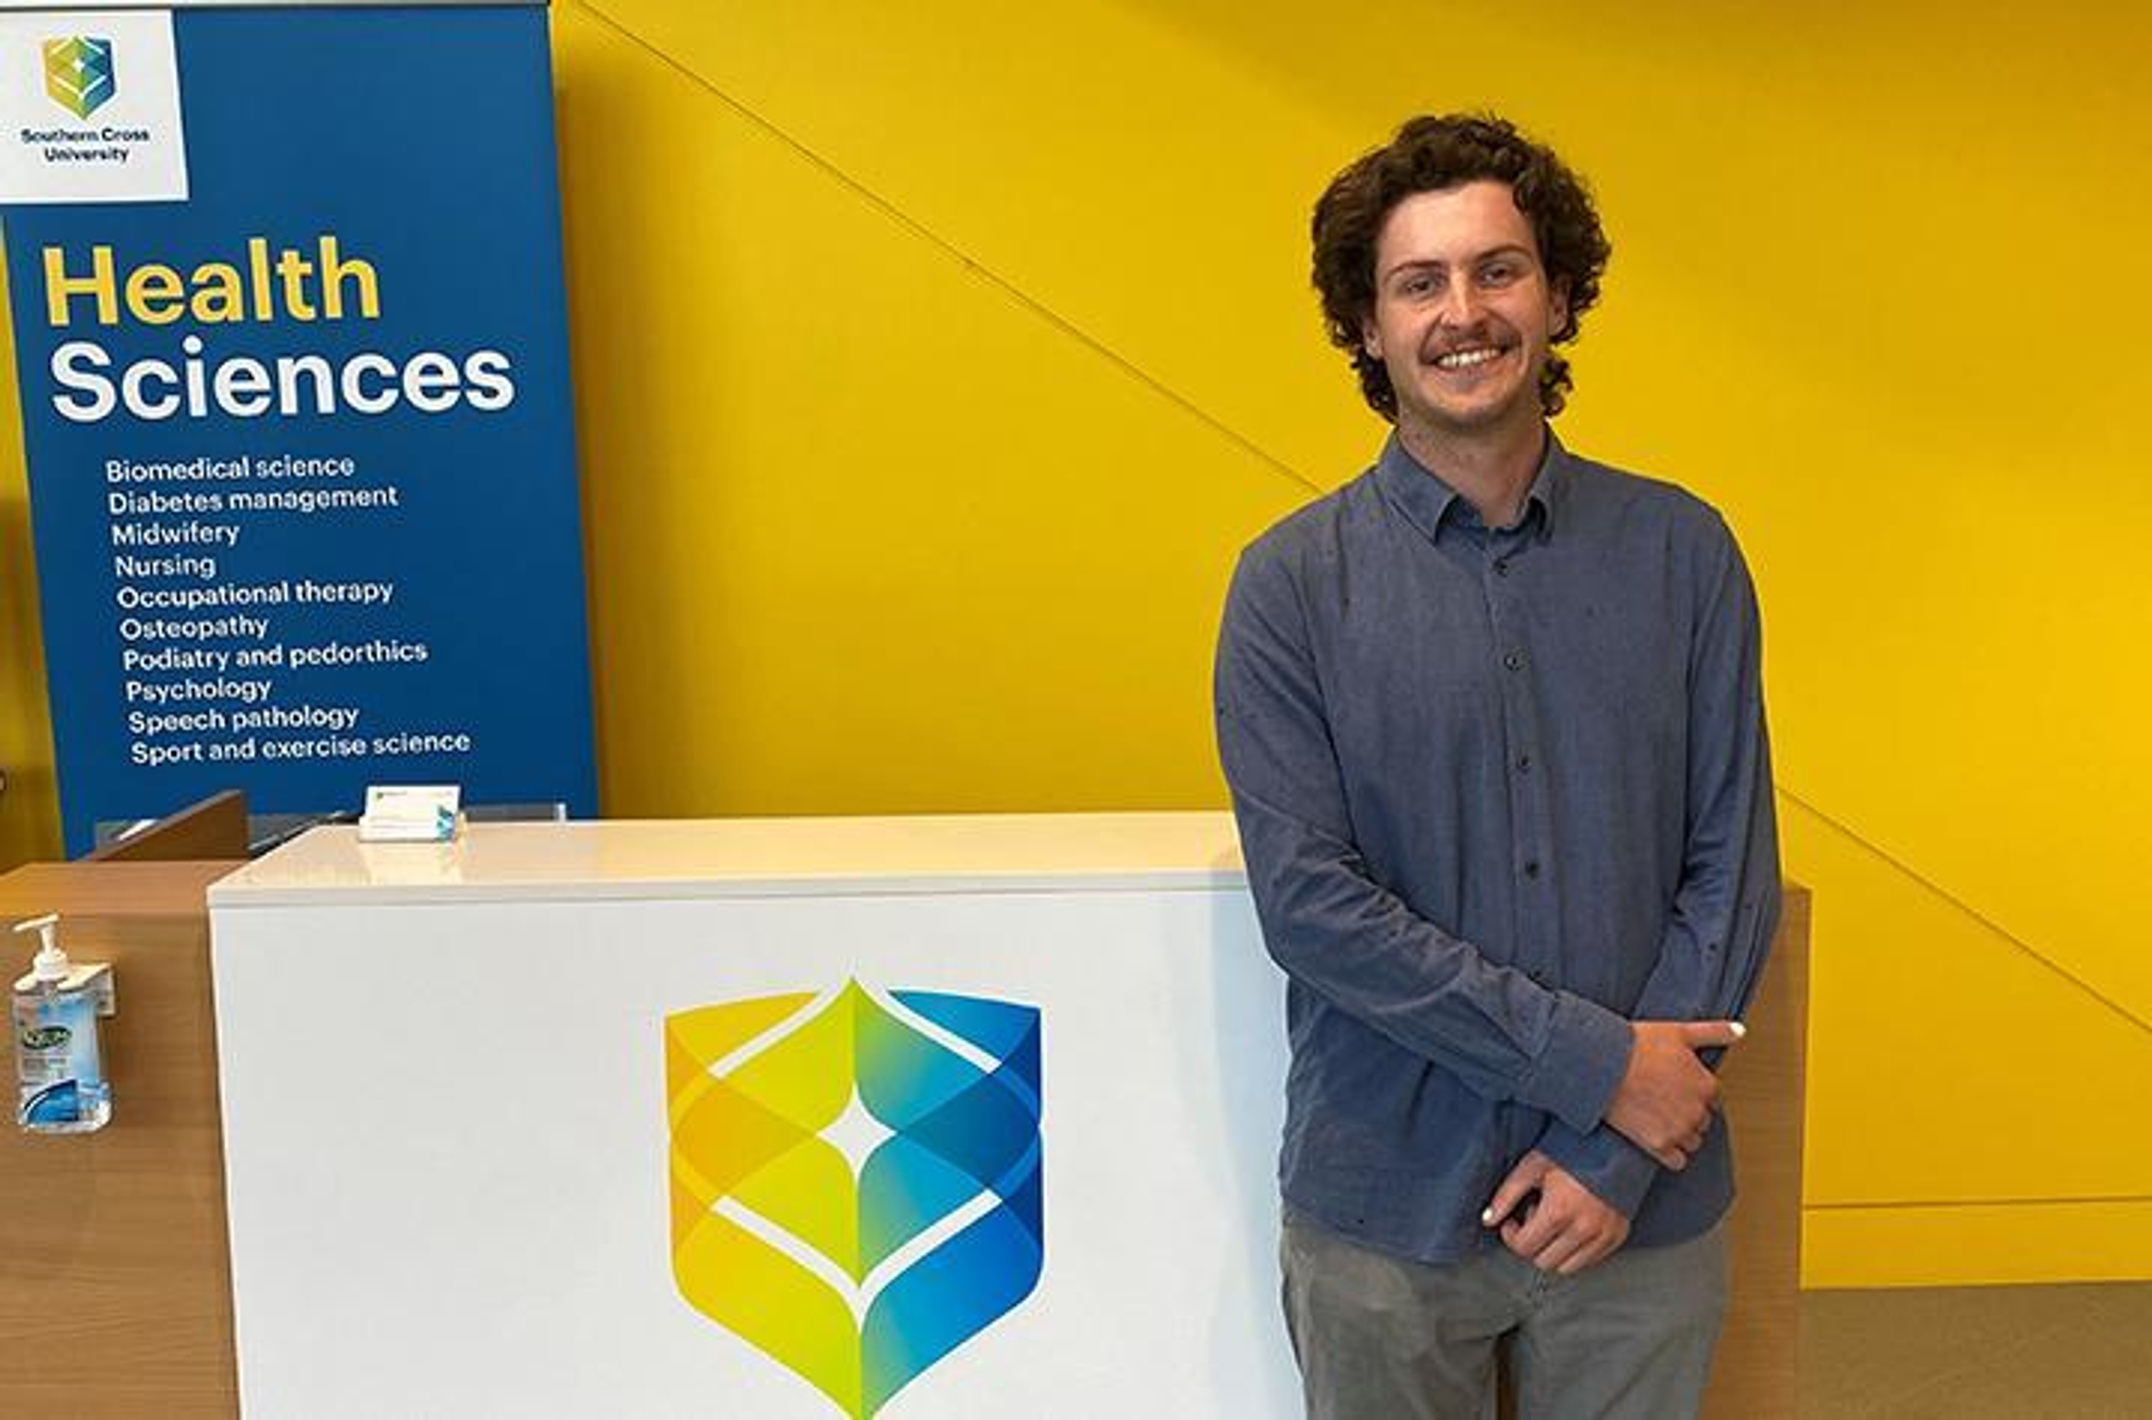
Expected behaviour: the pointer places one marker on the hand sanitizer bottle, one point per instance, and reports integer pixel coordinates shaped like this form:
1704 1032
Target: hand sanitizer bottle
59 1072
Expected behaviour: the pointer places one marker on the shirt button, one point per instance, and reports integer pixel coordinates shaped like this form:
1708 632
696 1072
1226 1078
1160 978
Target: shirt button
1524 764
1531 868
1501 566
1514 660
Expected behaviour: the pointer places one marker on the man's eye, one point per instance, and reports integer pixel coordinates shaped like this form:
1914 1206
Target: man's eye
1416 286
1500 274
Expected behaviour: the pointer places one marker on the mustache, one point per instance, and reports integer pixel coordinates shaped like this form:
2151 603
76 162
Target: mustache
1480 335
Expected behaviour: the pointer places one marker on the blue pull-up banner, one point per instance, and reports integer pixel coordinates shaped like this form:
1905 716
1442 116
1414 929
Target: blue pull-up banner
292 350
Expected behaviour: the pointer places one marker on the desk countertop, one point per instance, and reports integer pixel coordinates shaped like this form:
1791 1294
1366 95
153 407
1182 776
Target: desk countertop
750 857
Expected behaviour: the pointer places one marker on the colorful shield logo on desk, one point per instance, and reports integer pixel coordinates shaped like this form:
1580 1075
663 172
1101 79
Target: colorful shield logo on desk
856 1177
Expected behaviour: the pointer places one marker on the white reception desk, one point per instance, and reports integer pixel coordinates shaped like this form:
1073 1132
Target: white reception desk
754 1118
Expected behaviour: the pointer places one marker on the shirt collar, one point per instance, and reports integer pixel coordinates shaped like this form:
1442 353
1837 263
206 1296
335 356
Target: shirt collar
1426 500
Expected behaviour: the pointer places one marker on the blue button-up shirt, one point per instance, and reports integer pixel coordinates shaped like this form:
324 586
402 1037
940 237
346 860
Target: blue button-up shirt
1500 792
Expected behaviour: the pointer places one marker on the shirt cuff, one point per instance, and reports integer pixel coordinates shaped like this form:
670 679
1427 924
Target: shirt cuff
1604 1162
1581 1065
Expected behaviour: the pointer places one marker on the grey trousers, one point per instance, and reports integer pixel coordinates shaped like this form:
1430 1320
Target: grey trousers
1384 1338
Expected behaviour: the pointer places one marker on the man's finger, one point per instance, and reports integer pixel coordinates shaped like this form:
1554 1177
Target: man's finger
1556 1253
1699 1035
1586 1256
1514 1239
1521 1181
1526 1238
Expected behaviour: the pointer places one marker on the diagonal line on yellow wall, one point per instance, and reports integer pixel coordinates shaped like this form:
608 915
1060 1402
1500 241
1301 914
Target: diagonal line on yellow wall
1907 870
972 264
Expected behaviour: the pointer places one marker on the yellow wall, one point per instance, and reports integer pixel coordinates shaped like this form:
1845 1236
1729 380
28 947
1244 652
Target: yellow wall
933 359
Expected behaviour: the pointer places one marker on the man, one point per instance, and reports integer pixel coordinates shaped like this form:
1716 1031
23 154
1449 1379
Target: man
1492 717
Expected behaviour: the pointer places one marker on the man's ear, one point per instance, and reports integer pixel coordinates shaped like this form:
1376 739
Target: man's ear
1558 305
1370 336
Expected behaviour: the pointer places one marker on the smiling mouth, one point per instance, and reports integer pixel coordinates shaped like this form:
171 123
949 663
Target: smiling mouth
1467 359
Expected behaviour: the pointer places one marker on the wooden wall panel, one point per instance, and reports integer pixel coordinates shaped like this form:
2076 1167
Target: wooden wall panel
1753 1377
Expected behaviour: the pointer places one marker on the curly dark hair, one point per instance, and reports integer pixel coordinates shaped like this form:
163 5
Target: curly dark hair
1429 154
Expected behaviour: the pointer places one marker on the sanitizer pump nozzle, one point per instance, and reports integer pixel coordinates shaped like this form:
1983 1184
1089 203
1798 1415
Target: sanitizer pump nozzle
50 963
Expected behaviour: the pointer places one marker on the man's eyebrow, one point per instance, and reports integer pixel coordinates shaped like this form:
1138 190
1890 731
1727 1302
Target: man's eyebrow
1430 263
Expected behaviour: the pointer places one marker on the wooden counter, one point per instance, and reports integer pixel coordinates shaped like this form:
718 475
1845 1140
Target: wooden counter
115 1293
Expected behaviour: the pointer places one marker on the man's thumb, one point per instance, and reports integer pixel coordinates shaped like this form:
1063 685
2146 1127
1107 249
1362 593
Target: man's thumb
1522 1180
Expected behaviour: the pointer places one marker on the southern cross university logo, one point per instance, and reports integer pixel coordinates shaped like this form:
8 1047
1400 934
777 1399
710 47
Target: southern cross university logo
855 1177
78 73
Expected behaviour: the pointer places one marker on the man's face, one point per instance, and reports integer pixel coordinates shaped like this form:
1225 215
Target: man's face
1463 311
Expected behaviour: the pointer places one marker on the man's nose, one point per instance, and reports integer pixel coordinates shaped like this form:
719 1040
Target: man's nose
1460 304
